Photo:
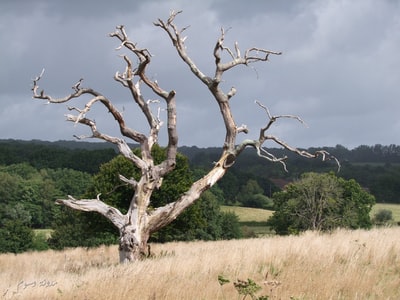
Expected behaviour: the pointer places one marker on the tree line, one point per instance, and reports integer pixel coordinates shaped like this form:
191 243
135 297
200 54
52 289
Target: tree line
376 168
30 186
27 203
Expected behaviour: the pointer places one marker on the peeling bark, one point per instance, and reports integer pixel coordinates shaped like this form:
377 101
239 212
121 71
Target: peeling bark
138 224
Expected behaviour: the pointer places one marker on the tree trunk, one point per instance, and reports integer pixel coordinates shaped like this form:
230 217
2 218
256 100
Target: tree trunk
139 223
132 244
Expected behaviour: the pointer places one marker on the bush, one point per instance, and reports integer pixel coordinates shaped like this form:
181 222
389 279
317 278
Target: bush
15 237
383 216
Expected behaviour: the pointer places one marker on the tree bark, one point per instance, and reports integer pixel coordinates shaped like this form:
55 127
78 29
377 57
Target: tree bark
136 226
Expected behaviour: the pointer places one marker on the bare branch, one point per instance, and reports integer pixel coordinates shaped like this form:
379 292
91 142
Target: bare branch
131 181
252 55
179 43
127 80
76 86
272 119
95 205
139 222
262 152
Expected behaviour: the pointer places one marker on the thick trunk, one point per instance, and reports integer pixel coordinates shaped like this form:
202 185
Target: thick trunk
132 244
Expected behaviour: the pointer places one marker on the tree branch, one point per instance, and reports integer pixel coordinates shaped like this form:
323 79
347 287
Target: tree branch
95 205
179 43
262 152
127 80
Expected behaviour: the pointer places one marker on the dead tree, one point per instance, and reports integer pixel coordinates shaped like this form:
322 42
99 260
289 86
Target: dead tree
136 226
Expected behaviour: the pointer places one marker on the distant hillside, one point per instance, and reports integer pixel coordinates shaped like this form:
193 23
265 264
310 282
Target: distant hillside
376 168
85 157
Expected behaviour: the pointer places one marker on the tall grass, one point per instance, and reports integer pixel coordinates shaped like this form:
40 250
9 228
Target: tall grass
341 265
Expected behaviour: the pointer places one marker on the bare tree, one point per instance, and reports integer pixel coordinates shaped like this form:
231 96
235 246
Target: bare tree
136 226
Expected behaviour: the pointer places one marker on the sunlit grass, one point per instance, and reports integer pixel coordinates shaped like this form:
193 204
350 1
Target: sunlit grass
395 208
247 214
342 265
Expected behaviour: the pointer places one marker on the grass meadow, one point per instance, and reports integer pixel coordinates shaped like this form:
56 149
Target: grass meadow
341 265
395 208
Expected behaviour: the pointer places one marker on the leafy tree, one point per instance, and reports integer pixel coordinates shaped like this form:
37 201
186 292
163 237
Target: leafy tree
9 187
68 181
383 216
77 229
252 195
203 220
230 226
15 236
321 202
355 210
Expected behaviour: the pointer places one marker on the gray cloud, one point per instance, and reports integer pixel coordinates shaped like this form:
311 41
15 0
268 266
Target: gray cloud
340 68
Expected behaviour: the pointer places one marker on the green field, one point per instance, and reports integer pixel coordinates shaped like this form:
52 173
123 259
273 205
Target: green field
253 220
395 208
247 214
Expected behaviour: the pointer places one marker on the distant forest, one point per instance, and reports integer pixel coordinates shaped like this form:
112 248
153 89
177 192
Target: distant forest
376 168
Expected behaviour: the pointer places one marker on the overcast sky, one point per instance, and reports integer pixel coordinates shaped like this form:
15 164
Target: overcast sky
340 68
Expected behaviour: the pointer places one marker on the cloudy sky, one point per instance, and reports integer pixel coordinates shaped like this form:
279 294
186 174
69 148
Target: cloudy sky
340 68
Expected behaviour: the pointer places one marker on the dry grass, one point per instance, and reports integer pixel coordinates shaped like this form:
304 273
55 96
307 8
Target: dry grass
342 265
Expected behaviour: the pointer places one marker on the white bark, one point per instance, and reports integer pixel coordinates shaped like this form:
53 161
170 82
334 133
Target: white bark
136 226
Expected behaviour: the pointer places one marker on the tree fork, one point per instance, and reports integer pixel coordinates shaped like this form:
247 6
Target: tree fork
139 223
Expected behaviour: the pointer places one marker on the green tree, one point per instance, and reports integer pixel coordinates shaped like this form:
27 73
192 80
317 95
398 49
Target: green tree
321 202
202 220
252 195
230 226
383 216
16 236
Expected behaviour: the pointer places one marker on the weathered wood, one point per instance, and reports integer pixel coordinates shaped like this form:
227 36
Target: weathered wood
136 226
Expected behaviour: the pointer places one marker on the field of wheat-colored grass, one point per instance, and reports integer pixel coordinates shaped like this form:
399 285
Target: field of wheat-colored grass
341 265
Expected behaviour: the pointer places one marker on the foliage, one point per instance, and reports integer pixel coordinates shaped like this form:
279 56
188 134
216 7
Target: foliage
46 155
243 287
39 241
74 229
321 202
383 216
374 167
203 220
31 191
15 236
252 195
27 202
230 226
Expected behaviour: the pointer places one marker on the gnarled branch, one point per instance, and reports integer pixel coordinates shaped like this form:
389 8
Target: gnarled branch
262 152
95 205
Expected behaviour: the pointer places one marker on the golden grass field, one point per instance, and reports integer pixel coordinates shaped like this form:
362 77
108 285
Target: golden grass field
341 265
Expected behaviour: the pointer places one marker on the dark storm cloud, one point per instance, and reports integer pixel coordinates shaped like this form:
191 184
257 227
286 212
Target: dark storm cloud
339 71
